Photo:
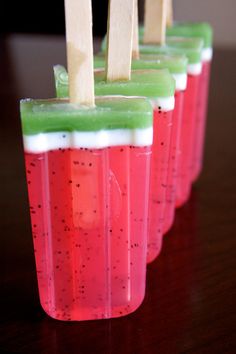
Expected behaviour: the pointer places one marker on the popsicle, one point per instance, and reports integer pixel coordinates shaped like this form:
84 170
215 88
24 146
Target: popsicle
162 127
192 48
204 31
87 166
177 65
159 87
88 203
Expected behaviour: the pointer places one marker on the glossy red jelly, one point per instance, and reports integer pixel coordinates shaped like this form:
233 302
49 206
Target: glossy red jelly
89 221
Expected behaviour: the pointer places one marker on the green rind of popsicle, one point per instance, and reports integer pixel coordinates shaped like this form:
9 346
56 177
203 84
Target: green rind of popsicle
176 64
195 29
191 47
149 83
189 29
44 116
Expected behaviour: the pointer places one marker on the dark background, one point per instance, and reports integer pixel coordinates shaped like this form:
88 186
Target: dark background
47 16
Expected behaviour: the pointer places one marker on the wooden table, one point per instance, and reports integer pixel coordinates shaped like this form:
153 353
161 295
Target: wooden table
191 292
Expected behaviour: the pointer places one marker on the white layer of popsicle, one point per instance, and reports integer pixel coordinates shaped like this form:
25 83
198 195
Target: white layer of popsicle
93 140
207 54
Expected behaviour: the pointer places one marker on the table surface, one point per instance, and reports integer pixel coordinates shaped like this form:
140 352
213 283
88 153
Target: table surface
191 290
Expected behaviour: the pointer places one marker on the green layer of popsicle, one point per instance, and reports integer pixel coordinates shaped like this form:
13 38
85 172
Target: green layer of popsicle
44 116
176 64
191 47
194 29
148 83
189 29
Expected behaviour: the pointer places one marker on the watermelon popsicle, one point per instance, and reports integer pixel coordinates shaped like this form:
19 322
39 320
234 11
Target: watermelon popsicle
88 204
177 65
204 31
159 87
192 48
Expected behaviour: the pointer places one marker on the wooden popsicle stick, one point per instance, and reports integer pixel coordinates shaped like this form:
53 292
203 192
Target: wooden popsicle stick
135 49
155 22
79 41
119 39
169 17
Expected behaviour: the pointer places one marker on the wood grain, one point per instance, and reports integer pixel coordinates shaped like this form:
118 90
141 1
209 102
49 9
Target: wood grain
119 39
79 40
169 14
155 21
135 48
